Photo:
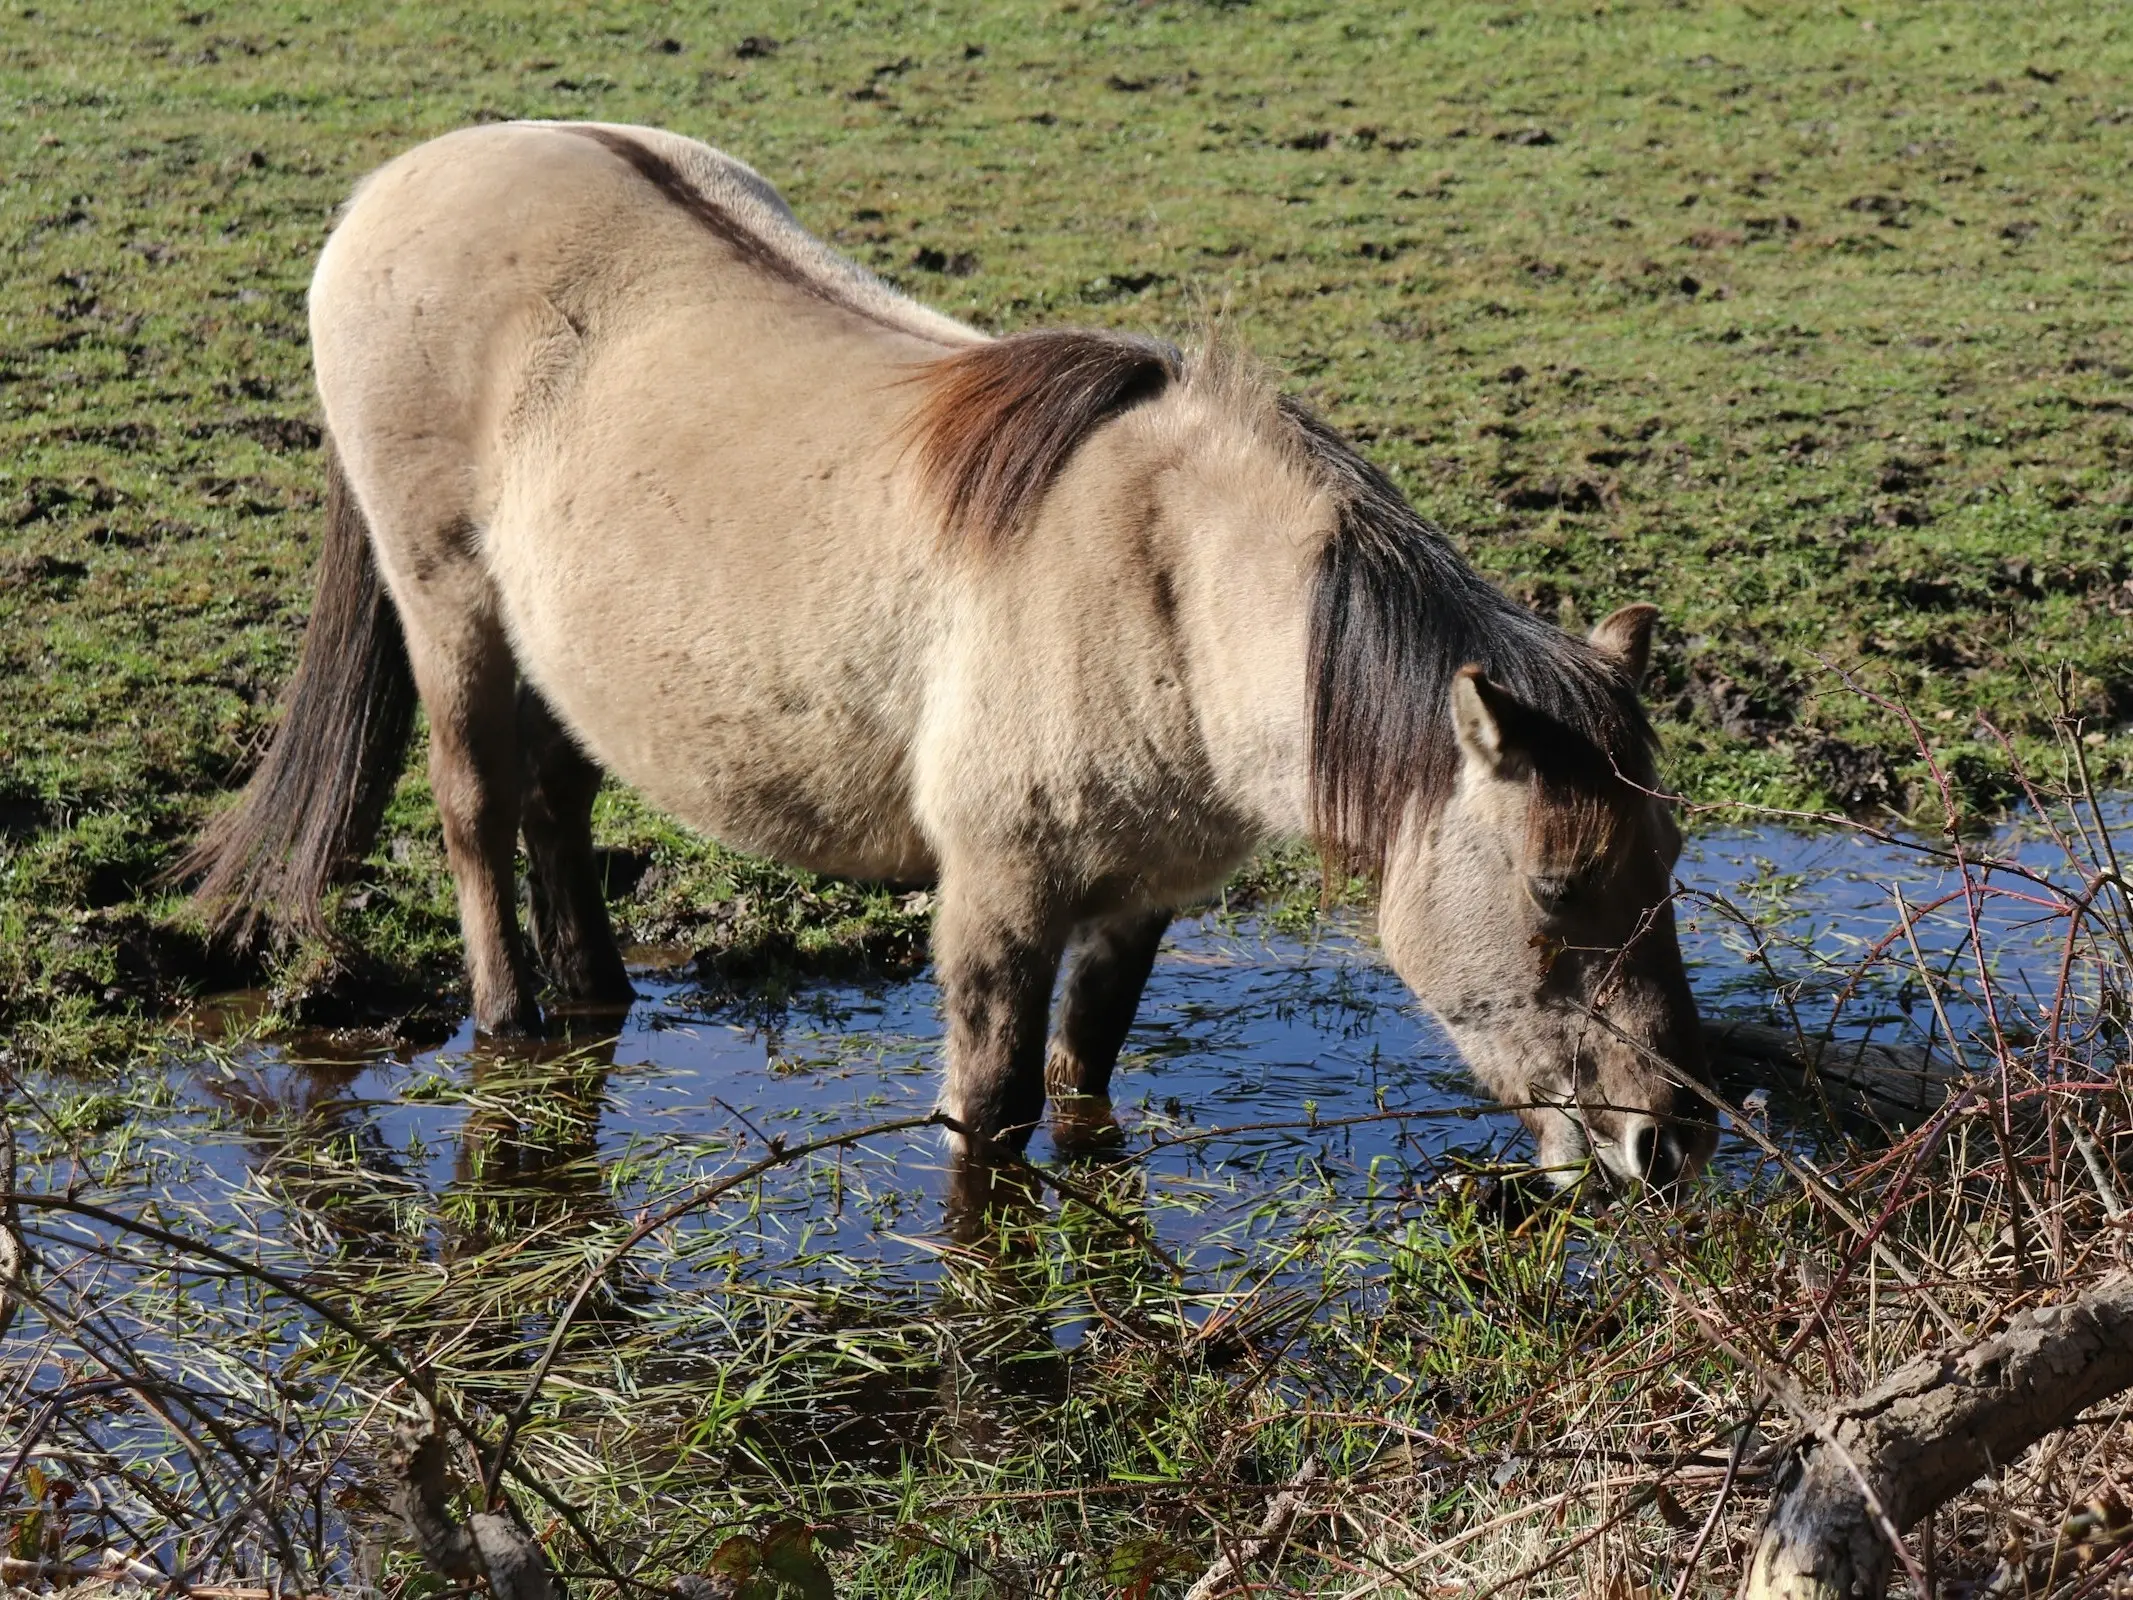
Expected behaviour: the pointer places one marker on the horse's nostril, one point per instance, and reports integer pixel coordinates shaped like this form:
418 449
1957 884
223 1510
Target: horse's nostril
1645 1149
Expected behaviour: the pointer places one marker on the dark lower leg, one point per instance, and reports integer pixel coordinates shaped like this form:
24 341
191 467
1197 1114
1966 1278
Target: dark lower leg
996 946
571 932
474 776
1109 968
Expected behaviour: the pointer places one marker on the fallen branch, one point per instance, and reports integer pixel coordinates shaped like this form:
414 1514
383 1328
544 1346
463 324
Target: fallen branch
1280 1512
1922 1435
488 1545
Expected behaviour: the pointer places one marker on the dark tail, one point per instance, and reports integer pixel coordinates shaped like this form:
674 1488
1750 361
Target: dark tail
317 798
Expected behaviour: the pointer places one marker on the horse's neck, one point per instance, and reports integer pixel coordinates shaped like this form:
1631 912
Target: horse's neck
1243 552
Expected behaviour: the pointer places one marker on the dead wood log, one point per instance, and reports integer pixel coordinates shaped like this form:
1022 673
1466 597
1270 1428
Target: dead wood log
1928 1431
1896 1084
488 1545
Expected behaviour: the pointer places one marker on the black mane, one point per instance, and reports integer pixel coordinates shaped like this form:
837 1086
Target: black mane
1395 613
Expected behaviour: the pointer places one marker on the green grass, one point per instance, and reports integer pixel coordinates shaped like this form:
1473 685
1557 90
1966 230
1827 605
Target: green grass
1885 431
1807 322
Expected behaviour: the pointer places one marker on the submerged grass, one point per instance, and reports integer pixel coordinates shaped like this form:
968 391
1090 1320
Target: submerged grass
1806 322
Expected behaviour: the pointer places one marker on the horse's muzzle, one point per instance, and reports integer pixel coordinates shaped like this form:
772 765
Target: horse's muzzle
1657 1155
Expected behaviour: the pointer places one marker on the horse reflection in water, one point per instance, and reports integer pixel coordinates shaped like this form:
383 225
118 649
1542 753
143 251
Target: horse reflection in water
316 1151
527 1207
1018 1332
526 1188
528 1161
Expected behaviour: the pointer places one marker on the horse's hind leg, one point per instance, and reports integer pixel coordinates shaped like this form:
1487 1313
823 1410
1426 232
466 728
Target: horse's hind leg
997 939
571 933
468 682
1109 967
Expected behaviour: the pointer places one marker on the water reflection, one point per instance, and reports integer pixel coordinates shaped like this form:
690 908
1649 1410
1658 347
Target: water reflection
311 1143
1280 1126
528 1153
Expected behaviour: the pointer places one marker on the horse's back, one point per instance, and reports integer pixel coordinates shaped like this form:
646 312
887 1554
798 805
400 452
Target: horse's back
471 278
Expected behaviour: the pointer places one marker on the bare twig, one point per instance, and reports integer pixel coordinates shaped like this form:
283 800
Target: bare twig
1229 1567
1718 1506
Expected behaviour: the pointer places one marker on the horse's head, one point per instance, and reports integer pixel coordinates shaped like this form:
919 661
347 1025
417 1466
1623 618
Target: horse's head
1530 912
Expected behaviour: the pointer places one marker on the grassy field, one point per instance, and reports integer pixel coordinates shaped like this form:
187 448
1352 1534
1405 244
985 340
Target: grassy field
1807 322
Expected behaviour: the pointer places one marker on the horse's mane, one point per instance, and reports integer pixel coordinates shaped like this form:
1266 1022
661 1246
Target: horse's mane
997 422
1395 613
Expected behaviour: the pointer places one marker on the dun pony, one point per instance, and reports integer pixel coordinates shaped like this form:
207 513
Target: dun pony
632 476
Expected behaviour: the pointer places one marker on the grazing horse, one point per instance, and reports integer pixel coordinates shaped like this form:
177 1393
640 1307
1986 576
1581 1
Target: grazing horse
629 474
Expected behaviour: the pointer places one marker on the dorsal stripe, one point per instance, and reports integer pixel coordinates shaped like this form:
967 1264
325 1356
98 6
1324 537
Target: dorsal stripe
715 219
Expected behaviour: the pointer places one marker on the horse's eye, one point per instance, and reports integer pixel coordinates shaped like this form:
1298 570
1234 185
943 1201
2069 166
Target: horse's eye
1552 892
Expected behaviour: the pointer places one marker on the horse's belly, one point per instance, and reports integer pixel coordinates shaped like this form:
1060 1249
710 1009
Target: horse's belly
790 739
792 818
824 792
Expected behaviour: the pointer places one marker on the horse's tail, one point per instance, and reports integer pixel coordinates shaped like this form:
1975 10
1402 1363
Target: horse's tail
316 800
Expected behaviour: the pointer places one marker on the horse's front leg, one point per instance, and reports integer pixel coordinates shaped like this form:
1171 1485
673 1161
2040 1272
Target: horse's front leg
997 940
1110 965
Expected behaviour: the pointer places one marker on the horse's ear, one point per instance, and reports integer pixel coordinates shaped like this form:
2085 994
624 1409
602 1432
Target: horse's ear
1626 635
1478 708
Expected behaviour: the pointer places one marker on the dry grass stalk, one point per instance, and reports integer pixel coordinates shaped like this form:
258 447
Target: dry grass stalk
14 1254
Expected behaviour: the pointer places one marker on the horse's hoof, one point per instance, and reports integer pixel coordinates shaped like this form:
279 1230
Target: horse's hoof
593 985
1085 1126
523 1022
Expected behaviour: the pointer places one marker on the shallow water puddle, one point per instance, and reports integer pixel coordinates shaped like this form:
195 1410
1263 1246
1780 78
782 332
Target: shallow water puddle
1246 1038
1780 921
1268 1075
